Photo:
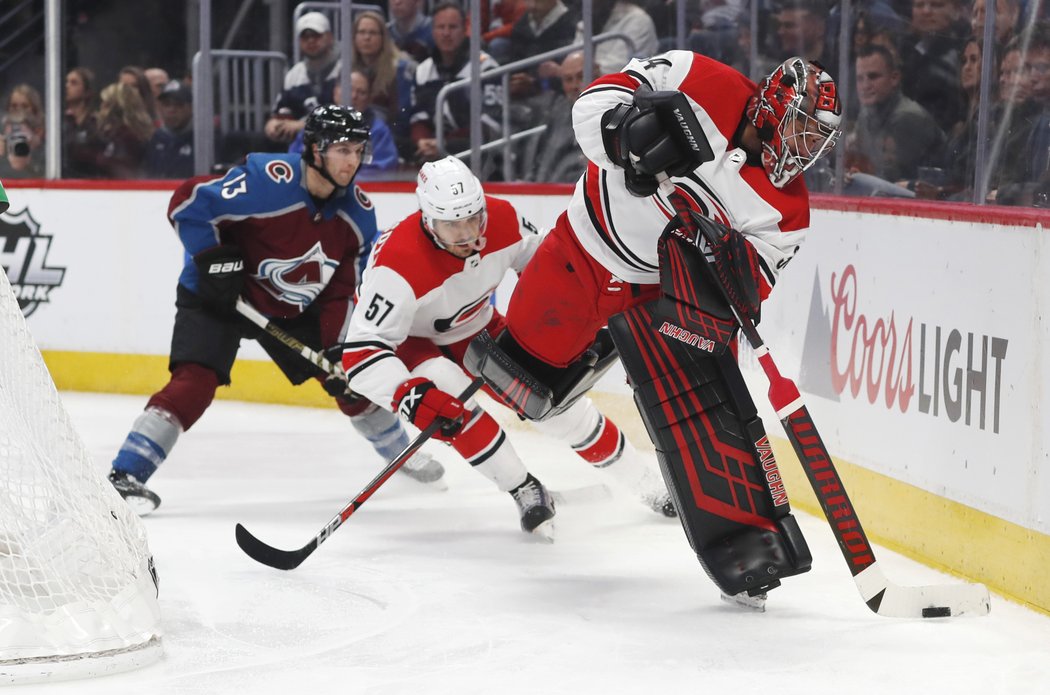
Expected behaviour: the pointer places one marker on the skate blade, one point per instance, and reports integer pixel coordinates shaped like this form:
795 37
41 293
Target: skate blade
434 484
142 506
756 604
440 485
581 495
544 533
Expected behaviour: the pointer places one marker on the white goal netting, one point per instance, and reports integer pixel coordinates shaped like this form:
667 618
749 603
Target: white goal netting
78 594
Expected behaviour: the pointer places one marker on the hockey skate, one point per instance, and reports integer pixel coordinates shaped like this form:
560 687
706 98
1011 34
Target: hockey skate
140 498
536 507
744 600
424 468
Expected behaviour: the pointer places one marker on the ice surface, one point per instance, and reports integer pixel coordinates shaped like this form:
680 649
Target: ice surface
440 592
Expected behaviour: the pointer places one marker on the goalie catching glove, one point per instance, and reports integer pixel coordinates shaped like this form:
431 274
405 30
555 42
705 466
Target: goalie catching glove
421 402
735 262
220 272
657 133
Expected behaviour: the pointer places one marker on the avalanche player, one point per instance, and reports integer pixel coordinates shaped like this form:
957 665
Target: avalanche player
734 152
290 234
426 292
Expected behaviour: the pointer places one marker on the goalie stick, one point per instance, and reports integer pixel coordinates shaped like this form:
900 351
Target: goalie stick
880 594
290 559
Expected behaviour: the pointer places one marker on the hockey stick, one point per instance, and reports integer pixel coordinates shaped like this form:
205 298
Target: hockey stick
290 559
309 354
880 594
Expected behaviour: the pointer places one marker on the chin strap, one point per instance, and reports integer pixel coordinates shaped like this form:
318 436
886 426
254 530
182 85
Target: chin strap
312 163
324 173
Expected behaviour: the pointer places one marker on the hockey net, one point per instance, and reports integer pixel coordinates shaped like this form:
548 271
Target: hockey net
78 593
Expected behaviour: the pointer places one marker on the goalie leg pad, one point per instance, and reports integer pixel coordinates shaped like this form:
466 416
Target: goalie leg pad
714 457
532 388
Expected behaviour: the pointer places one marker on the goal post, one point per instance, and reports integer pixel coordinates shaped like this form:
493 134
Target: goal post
78 591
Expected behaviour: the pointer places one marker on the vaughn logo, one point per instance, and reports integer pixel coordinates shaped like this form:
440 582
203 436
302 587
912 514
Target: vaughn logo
23 254
901 364
687 337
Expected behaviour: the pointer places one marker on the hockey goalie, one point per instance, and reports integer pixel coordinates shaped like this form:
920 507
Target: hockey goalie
620 257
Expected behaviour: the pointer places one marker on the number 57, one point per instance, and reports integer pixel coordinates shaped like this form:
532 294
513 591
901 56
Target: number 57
376 306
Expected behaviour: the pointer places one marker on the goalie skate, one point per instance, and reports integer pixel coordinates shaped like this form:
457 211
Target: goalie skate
424 468
536 507
140 498
744 600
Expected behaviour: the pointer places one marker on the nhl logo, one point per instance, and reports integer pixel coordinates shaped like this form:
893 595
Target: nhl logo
23 254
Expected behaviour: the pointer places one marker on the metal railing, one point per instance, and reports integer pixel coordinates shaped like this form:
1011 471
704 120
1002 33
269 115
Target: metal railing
244 85
504 72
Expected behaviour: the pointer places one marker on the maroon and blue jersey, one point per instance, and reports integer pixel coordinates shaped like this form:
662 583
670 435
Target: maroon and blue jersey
296 254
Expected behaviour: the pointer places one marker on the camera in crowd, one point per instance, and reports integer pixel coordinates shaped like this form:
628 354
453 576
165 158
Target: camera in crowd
18 144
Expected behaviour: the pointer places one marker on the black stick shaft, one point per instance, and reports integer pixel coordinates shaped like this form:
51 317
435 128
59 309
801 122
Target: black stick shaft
290 559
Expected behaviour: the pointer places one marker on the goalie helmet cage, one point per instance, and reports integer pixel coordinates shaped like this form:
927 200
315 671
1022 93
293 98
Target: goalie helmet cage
78 593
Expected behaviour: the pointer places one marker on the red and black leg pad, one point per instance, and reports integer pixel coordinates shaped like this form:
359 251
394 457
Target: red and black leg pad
714 456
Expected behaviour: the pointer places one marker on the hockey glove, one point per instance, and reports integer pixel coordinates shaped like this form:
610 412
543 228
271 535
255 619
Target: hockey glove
657 133
220 272
732 259
336 385
737 265
421 402
692 307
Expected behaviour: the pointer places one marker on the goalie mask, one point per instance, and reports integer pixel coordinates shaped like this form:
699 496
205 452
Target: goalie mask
453 206
330 124
798 115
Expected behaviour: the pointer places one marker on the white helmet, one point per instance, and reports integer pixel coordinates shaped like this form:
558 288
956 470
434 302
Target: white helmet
448 190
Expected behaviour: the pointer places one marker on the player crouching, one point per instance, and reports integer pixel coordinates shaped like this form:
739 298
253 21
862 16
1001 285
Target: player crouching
425 294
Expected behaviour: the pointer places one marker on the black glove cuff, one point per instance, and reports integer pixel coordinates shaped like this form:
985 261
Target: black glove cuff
613 134
640 185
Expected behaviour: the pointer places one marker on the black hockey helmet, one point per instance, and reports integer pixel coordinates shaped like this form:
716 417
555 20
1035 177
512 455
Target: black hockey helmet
332 123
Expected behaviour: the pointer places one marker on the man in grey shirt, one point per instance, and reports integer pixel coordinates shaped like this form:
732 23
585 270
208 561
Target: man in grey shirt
894 135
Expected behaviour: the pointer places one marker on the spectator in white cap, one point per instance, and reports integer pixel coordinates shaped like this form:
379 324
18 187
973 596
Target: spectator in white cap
304 81
169 153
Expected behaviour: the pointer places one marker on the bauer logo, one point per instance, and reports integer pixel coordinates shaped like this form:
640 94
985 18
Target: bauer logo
23 254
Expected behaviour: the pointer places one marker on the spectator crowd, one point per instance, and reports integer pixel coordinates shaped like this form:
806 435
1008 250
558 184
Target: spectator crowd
913 121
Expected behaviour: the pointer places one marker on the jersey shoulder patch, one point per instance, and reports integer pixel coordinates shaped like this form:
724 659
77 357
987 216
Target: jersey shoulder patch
279 171
362 198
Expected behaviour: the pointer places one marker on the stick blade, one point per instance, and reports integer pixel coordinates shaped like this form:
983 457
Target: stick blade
933 601
270 556
937 601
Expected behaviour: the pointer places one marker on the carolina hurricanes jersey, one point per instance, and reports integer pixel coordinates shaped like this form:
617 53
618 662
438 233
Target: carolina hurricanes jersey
412 288
621 230
295 253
